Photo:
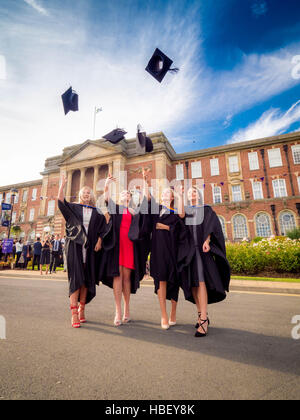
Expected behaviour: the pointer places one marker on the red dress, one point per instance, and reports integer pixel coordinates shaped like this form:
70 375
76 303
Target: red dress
126 255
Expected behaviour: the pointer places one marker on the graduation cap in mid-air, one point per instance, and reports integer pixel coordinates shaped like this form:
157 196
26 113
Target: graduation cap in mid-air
143 143
115 136
70 100
159 65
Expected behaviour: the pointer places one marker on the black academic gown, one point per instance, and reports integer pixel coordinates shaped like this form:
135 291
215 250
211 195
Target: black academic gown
169 249
109 264
80 274
216 267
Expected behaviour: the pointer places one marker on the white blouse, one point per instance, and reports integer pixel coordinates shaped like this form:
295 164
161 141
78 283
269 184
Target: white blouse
87 214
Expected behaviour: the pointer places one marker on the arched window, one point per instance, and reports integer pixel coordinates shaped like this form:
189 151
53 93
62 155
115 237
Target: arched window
222 221
263 225
286 221
240 230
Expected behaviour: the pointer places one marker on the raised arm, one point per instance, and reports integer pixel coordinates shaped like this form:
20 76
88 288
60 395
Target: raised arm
108 183
145 184
61 194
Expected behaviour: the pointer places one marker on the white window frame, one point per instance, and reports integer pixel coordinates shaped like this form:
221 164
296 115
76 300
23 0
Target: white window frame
261 227
196 169
1 197
253 161
34 194
179 172
237 228
279 188
296 154
8 198
31 215
257 190
233 164
283 227
275 159
22 217
25 196
51 208
217 194
13 217
16 200
234 193
214 167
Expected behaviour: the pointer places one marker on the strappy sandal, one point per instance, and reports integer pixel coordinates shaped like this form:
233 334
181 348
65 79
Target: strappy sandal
74 310
199 316
81 311
117 322
126 320
204 334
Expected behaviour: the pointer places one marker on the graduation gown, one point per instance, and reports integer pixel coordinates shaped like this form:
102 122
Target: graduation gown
109 264
80 274
216 267
169 249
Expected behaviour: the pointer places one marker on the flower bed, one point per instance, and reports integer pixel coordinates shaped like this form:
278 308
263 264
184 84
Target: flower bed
279 254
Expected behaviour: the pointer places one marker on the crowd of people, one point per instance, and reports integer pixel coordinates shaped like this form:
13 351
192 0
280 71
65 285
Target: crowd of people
48 252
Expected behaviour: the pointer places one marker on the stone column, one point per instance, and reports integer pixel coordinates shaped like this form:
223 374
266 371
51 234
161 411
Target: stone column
96 175
82 177
69 185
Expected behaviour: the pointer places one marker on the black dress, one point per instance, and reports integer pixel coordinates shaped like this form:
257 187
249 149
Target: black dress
169 249
45 258
109 264
214 267
80 274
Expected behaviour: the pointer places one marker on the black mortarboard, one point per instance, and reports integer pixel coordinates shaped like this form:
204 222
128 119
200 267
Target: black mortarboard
159 65
70 100
115 136
144 143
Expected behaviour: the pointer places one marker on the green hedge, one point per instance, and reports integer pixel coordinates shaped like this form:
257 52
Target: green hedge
278 254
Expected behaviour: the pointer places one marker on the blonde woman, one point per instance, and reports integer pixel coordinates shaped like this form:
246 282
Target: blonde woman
168 249
45 257
85 227
124 261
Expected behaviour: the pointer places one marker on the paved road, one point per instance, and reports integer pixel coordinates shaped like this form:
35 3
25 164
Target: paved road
249 353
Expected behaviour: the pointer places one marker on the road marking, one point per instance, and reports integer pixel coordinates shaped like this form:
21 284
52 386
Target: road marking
265 293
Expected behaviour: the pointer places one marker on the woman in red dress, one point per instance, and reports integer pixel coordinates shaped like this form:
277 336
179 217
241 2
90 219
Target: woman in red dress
123 265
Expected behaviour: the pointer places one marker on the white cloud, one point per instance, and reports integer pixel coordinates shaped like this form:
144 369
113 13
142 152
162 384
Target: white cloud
37 7
272 122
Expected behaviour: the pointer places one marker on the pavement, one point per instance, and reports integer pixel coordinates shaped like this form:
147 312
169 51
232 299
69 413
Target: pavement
235 284
249 353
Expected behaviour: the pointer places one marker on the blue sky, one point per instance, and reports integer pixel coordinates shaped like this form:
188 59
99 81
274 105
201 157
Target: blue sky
239 76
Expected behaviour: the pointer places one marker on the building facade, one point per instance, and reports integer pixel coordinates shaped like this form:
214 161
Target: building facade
253 186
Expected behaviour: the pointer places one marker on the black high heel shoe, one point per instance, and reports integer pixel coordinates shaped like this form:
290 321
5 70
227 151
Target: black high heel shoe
204 334
199 316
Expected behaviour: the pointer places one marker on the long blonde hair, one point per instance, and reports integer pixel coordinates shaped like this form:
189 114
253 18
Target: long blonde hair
92 195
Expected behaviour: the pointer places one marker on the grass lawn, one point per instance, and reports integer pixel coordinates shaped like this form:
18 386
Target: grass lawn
278 279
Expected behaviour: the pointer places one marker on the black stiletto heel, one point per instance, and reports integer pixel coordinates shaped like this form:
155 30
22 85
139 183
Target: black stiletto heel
197 325
204 334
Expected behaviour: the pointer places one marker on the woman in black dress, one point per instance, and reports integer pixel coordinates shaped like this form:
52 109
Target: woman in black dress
168 250
45 257
206 277
123 265
85 228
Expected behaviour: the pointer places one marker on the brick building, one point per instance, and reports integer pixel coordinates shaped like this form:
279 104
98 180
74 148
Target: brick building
253 186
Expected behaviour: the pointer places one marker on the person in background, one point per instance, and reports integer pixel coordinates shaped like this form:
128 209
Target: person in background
56 250
0 249
45 256
14 249
26 252
37 251
19 248
63 241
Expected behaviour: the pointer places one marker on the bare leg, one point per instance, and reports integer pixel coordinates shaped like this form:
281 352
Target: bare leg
74 303
162 294
47 268
173 311
126 292
82 299
117 286
202 298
